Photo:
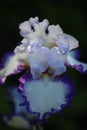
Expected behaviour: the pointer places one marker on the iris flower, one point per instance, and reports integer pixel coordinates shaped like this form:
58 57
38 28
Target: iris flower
43 56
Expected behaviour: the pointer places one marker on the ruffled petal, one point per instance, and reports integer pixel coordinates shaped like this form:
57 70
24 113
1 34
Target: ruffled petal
33 29
33 26
74 63
12 66
44 95
54 30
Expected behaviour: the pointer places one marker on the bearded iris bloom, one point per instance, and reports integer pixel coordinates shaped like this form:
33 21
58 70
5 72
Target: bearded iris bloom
43 55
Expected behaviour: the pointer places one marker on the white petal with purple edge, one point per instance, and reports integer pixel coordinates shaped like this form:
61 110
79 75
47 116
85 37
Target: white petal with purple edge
74 63
45 94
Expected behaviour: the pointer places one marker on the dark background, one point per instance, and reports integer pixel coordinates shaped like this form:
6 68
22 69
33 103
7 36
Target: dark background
72 17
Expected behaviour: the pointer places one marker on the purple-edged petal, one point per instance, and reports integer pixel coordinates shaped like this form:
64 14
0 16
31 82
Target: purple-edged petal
15 100
45 95
74 63
75 53
11 66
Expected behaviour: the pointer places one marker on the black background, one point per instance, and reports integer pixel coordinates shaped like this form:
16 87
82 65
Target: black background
72 17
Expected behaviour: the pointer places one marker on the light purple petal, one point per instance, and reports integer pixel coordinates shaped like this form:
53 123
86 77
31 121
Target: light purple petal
56 62
37 60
